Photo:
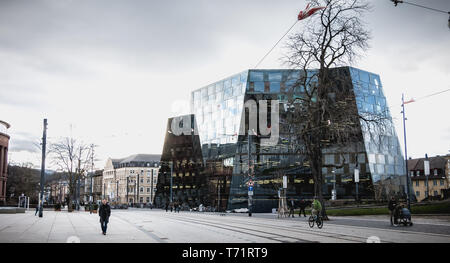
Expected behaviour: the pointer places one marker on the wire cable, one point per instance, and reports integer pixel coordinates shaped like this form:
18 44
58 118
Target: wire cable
275 44
421 6
434 94
426 7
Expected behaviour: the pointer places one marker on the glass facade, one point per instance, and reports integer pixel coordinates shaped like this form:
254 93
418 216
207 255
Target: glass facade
217 155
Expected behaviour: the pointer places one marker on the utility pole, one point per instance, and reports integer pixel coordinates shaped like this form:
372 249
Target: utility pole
408 192
218 193
151 189
334 194
77 192
128 181
250 199
171 181
92 174
137 192
44 144
134 194
117 191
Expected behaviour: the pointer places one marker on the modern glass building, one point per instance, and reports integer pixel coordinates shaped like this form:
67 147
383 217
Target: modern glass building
211 165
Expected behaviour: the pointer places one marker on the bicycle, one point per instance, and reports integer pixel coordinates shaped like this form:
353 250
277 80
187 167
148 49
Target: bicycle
315 219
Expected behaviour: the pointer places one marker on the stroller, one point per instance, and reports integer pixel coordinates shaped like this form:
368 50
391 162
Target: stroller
402 215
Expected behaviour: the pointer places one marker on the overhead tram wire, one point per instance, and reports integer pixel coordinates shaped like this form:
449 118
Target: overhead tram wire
296 21
434 94
421 6
415 100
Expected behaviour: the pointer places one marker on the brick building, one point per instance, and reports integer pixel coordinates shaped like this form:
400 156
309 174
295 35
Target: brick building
4 143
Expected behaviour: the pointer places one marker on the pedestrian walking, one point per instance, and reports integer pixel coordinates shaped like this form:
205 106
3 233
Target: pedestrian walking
291 207
37 209
104 212
167 207
302 206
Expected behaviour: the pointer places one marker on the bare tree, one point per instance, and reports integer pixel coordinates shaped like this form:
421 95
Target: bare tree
326 114
73 158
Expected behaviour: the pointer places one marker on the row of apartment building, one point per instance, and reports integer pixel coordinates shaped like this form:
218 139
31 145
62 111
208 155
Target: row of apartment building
434 186
131 180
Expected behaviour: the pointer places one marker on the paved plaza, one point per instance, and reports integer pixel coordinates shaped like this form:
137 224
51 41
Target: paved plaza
158 226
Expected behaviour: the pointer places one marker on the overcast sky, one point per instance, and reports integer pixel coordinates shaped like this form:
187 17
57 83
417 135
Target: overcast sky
112 72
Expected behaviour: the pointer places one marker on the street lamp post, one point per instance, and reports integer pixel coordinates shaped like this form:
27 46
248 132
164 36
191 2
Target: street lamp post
128 180
218 199
44 143
171 181
138 190
134 193
77 194
250 199
408 192
151 189
90 197
334 195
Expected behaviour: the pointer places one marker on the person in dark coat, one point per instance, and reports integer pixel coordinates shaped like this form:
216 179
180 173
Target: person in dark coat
302 205
391 206
104 212
291 205
37 209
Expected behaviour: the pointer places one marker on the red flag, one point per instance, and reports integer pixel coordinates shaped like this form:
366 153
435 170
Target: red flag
409 101
309 12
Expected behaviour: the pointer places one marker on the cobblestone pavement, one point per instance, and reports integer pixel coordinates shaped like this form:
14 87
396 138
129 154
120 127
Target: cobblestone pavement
156 226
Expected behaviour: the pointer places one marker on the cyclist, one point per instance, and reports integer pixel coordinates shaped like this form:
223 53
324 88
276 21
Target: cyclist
316 207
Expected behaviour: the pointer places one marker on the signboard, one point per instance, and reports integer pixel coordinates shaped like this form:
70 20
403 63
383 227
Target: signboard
250 193
426 165
285 182
356 176
250 188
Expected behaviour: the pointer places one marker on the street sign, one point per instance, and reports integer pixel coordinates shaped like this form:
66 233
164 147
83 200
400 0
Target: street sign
250 188
250 193
356 176
285 182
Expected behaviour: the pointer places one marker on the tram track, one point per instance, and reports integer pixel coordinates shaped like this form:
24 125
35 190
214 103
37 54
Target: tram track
239 224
